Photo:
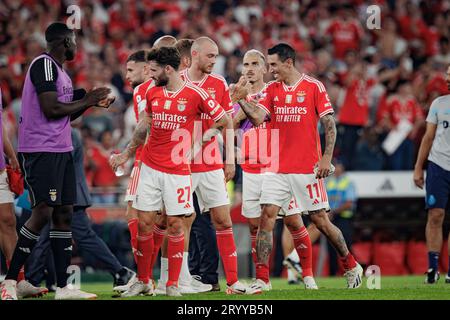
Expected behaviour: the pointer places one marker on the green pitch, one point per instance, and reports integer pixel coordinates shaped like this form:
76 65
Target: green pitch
392 288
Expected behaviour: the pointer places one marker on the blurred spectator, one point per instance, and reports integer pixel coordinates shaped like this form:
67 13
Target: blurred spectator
368 154
345 31
103 177
403 107
353 115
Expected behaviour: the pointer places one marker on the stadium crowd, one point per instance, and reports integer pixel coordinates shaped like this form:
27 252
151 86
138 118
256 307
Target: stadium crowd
376 78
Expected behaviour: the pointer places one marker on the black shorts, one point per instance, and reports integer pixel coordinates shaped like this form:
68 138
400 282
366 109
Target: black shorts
437 186
49 177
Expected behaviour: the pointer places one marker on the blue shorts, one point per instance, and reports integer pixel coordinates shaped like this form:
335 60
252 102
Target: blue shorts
437 186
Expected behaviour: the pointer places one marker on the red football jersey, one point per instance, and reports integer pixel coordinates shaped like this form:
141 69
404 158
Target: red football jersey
396 110
211 158
255 146
173 116
346 36
355 108
139 105
295 112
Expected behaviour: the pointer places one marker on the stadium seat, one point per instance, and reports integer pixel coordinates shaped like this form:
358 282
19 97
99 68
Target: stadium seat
390 257
417 257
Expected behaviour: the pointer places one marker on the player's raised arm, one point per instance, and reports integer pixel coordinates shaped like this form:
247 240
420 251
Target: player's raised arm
254 113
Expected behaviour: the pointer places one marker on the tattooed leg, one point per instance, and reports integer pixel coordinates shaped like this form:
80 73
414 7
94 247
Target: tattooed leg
264 238
334 235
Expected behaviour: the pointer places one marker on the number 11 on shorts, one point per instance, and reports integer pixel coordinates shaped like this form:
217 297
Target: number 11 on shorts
310 190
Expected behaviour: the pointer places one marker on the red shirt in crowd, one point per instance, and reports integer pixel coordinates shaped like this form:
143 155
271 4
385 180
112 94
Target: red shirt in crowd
345 36
355 109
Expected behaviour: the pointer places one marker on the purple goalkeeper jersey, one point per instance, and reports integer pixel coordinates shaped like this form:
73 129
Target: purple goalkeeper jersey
37 133
2 154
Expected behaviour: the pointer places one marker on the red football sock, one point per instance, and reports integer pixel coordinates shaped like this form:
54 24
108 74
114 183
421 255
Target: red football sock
21 275
175 249
262 270
227 251
133 227
302 244
144 256
348 262
158 237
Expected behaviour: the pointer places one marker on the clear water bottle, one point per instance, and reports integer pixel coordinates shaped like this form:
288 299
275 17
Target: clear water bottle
120 171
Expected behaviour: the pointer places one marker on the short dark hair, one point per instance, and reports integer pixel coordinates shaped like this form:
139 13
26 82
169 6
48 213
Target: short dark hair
165 56
138 56
184 47
284 51
57 31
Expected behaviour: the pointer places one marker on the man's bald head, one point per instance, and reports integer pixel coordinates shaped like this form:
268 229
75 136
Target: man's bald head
204 53
202 42
165 41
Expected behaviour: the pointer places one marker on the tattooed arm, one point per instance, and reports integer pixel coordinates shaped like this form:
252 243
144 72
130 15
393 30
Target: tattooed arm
138 139
324 164
255 114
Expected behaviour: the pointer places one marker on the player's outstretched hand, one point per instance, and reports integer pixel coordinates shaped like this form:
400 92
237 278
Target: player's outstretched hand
96 95
418 178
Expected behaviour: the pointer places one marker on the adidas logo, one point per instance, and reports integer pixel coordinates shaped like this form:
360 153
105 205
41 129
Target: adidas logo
26 250
178 255
253 250
302 246
234 254
316 202
187 206
68 248
386 186
138 253
276 98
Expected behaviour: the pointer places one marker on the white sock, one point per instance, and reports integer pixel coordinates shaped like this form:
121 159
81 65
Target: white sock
185 275
294 256
164 274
